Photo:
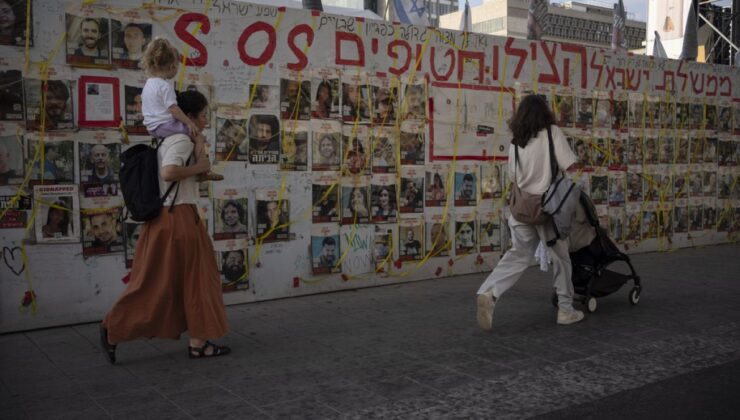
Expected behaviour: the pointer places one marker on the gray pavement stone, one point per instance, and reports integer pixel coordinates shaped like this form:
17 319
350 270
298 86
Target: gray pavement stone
404 351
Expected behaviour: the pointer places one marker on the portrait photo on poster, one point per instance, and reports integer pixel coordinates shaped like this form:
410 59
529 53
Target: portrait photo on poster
355 208
58 163
129 42
11 95
58 214
88 41
102 232
231 218
14 28
294 146
325 249
58 109
264 139
134 118
273 217
11 160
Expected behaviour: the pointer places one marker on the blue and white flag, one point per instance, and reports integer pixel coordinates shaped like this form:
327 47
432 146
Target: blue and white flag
619 41
466 21
412 12
658 50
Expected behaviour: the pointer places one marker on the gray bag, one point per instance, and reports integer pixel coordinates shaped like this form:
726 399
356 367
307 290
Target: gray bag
560 200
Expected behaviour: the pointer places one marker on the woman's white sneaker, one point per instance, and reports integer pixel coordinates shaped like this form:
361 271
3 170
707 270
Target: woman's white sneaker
485 303
569 317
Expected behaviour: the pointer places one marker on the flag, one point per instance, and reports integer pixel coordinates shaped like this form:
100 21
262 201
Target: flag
619 42
658 50
690 48
536 19
466 21
412 12
313 5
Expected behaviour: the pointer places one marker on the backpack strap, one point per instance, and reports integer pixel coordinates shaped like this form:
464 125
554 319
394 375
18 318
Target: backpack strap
553 159
172 204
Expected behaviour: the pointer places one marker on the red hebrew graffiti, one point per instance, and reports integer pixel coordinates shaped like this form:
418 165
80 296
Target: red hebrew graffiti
668 77
451 66
611 82
697 85
292 35
634 78
724 80
580 50
596 66
181 29
269 48
472 55
391 51
518 52
360 47
553 77
682 75
711 80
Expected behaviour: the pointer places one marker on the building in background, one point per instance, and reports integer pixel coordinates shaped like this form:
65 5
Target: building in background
570 21
668 18
439 8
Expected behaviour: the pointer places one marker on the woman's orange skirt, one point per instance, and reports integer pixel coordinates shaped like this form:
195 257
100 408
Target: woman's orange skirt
175 284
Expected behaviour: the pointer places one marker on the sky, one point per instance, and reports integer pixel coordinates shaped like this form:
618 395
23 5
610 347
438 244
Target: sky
638 7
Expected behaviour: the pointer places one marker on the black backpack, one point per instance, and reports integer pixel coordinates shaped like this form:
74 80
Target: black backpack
139 177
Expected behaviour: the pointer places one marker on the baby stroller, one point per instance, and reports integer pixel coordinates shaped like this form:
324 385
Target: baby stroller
592 277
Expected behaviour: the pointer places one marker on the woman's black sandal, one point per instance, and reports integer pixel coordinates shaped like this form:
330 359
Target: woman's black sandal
199 352
109 350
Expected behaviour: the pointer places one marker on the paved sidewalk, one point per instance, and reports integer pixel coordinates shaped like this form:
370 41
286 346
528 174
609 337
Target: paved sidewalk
414 351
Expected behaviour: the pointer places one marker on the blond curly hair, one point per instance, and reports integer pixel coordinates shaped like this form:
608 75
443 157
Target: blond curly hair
159 56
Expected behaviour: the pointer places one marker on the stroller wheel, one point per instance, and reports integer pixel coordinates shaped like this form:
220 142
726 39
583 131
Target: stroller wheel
554 299
634 296
591 304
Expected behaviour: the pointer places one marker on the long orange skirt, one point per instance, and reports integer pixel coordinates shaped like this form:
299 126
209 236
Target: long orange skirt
175 284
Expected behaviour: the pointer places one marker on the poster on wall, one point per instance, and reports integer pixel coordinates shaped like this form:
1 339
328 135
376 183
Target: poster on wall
295 91
325 249
325 198
437 178
58 163
294 146
355 97
231 213
410 238
413 103
325 144
11 94
325 95
233 264
490 230
58 110
273 216
382 248
133 117
466 234
88 38
129 39
385 101
99 101
131 233
58 214
102 230
466 185
491 180
355 149
99 161
264 139
437 234
355 199
385 143
383 198
15 211
412 143
412 190
231 134
11 160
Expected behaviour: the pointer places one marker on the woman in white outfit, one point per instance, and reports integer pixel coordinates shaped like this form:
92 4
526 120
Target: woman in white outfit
533 175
